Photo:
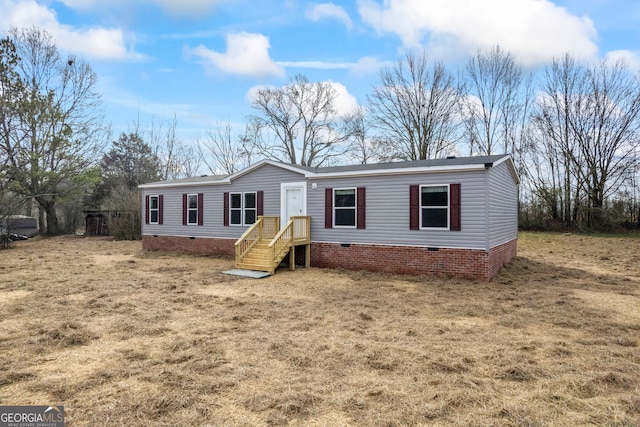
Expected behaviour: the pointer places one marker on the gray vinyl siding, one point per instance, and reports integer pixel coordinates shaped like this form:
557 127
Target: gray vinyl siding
387 211
266 178
488 207
503 205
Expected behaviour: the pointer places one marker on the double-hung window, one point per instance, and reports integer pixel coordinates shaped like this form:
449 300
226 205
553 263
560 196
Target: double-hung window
434 206
154 210
192 209
344 207
243 208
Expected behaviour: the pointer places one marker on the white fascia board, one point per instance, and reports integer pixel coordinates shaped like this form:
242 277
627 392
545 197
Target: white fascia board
266 162
170 184
397 171
512 167
228 179
502 159
345 174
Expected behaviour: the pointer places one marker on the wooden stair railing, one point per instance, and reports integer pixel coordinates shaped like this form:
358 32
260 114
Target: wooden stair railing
261 248
280 246
264 228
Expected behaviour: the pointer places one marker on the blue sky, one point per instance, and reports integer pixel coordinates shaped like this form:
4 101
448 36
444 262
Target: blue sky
200 60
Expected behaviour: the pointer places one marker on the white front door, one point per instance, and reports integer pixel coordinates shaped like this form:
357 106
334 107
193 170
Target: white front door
293 201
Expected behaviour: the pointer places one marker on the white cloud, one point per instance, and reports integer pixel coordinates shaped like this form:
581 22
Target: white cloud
368 65
365 65
252 93
99 43
174 7
329 11
533 30
247 55
631 58
345 102
186 7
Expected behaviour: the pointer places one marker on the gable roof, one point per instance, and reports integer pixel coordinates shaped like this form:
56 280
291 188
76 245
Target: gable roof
451 164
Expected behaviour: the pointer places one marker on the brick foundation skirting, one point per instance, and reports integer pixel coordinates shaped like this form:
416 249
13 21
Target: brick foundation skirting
196 246
500 255
412 260
461 263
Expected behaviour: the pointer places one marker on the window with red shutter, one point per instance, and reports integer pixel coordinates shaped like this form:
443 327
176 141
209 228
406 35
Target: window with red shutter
226 209
454 207
328 208
200 208
184 209
192 209
243 208
361 210
160 209
434 207
154 210
414 207
146 209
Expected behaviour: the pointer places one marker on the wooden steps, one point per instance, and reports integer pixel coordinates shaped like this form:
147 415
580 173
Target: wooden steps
258 258
262 247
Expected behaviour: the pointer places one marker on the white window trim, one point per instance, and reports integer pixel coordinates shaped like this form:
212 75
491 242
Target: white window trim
191 209
448 207
157 209
355 207
242 208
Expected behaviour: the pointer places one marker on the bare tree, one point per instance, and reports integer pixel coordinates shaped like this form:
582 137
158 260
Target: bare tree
494 107
57 129
553 154
299 123
365 147
177 158
224 152
588 122
606 126
415 109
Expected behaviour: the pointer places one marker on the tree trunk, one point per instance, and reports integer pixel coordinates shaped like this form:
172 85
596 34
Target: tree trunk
597 205
53 227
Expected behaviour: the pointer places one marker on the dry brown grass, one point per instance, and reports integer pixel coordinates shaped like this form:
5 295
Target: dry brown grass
122 337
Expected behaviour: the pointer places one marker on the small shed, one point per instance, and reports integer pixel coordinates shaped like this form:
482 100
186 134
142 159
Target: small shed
96 222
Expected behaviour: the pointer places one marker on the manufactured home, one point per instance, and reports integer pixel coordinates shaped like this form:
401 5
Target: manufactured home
19 224
445 217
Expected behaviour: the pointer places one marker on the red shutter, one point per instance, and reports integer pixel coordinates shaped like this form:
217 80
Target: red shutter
184 209
146 209
328 208
361 208
200 208
160 209
414 207
226 209
454 207
260 203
